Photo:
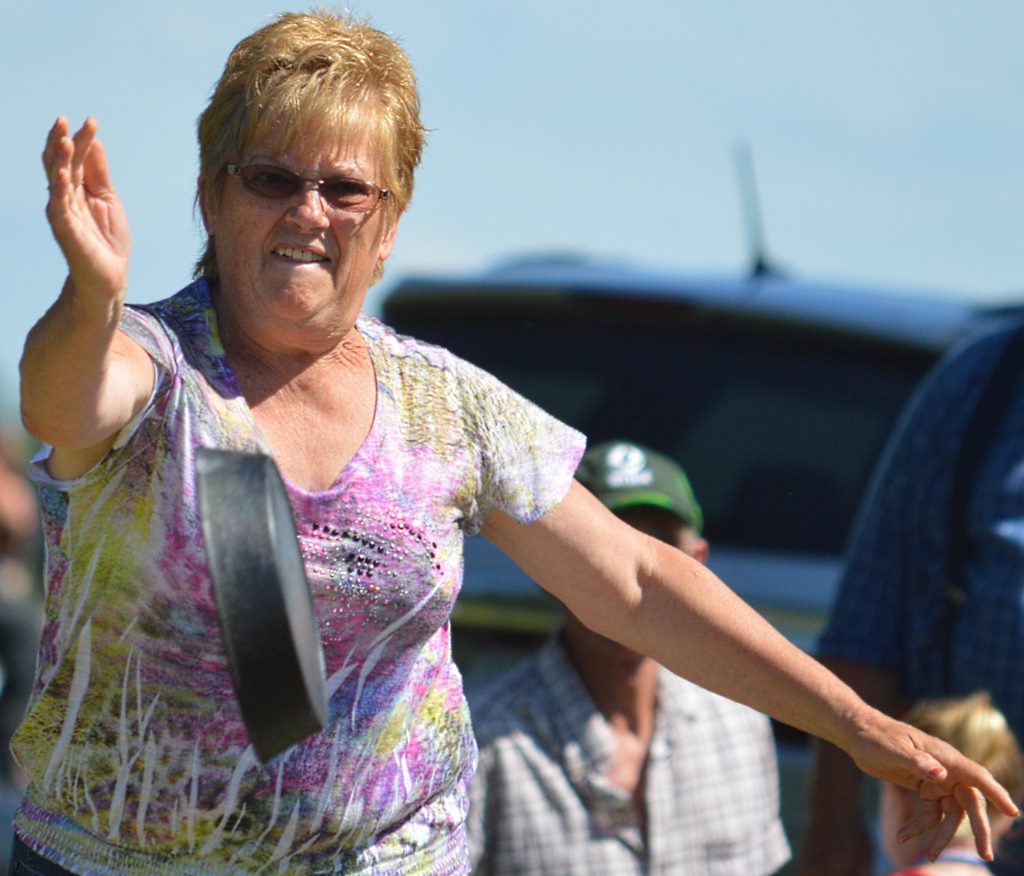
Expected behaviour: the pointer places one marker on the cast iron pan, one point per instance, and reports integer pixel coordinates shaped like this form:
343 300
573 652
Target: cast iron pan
263 599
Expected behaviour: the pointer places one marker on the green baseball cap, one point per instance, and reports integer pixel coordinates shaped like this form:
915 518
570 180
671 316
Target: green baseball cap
622 474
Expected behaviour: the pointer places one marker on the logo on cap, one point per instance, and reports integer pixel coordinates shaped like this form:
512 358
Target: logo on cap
627 467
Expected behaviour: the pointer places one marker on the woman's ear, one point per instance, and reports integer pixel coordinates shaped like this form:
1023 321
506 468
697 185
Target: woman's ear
387 241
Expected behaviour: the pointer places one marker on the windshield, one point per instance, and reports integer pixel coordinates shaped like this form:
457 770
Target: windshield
778 432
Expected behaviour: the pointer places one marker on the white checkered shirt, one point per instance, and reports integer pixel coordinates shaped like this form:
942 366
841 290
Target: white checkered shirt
540 802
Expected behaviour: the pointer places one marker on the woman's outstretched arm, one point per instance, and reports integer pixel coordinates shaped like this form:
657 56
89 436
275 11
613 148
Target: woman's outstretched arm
656 600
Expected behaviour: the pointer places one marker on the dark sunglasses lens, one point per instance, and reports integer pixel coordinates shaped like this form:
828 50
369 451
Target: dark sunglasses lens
271 182
342 192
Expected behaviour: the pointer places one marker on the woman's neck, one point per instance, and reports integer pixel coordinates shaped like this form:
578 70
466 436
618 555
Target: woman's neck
277 342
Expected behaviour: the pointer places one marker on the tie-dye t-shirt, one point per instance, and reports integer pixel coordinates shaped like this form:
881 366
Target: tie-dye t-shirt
133 741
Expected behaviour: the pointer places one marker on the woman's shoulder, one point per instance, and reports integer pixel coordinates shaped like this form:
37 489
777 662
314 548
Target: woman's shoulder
405 348
188 306
402 360
969 364
164 322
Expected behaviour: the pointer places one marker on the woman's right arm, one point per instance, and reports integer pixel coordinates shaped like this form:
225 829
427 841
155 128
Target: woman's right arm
662 603
83 380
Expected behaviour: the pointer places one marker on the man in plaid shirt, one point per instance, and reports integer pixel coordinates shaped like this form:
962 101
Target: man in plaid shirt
596 760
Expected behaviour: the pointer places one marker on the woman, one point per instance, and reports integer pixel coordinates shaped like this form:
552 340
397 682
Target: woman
392 451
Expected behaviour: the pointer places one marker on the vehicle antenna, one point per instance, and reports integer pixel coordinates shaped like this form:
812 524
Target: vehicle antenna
760 265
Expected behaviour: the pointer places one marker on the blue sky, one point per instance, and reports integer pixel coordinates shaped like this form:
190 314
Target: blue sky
887 138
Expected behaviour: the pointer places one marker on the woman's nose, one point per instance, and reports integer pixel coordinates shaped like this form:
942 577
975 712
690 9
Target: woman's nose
311 206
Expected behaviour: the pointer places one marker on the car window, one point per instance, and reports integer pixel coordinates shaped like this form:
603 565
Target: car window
778 431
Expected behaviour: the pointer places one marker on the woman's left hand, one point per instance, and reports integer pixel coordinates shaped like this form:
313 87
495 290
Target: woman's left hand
948 784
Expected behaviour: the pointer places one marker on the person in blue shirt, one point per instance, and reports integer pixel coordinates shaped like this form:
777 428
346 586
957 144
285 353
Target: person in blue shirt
892 634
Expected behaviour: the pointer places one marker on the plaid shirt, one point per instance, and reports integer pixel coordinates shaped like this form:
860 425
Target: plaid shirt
540 802
889 610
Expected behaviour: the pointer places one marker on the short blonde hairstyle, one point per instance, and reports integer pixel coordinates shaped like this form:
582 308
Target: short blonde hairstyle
319 76
979 730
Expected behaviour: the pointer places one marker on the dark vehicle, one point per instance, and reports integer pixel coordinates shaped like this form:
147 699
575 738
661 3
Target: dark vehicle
776 396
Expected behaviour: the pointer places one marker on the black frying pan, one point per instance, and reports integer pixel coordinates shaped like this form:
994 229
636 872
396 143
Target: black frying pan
263 599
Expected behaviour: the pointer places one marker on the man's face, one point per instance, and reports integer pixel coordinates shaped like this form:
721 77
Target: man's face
665 526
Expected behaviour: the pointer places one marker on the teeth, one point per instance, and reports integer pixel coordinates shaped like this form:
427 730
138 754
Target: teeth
299 255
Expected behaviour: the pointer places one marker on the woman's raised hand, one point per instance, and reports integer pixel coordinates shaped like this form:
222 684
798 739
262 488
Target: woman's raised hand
86 215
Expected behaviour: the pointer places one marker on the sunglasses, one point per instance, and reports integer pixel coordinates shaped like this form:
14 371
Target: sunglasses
339 192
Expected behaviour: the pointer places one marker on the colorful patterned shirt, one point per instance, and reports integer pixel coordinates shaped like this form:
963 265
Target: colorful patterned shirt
134 743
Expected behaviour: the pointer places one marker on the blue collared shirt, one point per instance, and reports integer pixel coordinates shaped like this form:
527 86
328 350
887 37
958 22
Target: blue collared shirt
889 610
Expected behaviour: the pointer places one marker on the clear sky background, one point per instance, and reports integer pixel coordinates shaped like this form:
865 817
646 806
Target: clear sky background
888 138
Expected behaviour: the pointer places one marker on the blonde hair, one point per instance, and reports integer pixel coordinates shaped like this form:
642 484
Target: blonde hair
979 730
315 75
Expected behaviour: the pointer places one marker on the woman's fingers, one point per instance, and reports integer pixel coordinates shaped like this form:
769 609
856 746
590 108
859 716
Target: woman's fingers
971 801
965 776
71 161
952 815
96 170
929 767
53 138
967 788
929 816
57 157
61 157
942 816
84 142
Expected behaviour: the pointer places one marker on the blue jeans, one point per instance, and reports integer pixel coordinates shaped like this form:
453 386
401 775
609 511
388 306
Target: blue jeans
25 862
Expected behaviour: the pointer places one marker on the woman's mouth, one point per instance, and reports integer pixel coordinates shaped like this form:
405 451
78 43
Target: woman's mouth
299 255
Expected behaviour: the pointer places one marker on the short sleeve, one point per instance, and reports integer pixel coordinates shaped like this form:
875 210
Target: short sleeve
146 331
527 457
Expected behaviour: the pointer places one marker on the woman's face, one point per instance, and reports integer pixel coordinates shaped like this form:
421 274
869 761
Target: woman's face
298 261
